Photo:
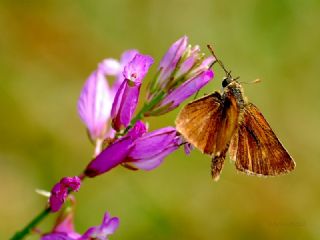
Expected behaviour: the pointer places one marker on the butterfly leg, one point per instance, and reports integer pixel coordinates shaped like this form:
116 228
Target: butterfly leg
195 96
217 164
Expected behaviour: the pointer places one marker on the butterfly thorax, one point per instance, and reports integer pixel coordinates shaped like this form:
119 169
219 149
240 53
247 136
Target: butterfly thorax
234 89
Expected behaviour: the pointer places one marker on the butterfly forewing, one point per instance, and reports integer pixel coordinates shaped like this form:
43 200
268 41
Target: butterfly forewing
209 122
255 147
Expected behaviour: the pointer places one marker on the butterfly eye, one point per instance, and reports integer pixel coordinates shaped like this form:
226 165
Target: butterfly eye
225 82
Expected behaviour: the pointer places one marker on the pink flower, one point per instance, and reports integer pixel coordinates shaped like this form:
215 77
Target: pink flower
108 226
64 229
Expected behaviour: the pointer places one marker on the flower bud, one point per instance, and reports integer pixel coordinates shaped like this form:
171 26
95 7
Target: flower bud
60 191
183 68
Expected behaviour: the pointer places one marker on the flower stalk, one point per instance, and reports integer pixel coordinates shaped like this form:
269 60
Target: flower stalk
33 223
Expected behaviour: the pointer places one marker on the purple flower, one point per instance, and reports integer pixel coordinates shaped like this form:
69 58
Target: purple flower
126 98
136 150
108 226
101 232
183 68
60 191
185 90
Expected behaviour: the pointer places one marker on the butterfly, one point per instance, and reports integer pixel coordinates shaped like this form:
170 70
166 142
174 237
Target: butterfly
226 122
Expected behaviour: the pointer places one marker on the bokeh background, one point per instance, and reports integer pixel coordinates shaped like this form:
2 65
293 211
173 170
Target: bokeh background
49 48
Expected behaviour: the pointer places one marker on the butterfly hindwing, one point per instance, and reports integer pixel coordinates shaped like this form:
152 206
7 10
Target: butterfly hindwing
256 149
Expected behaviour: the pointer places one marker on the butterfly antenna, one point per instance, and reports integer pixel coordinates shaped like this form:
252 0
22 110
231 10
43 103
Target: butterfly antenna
228 73
254 81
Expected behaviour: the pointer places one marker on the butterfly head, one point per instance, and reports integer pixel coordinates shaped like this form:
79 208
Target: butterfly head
226 81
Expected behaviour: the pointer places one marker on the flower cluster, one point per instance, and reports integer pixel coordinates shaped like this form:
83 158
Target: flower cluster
118 132
183 71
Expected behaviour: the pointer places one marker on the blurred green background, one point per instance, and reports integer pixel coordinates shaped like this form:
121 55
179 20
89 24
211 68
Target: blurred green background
49 48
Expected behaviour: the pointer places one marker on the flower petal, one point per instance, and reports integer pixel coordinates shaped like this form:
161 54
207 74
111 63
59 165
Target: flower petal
116 153
155 161
204 66
125 104
64 223
110 67
137 130
171 58
153 143
192 57
149 150
109 157
138 67
95 103
186 66
57 197
126 57
71 182
117 104
108 227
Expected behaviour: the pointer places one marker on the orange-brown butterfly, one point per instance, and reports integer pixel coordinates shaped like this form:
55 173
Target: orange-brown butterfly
218 123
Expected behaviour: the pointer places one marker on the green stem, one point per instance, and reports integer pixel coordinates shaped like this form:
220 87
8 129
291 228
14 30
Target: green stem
145 109
27 229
